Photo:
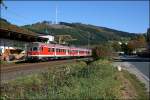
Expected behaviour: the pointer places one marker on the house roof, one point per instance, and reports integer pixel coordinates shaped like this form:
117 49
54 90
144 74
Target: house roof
19 35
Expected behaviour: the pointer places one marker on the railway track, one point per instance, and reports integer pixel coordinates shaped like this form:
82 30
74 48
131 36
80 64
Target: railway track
18 70
30 65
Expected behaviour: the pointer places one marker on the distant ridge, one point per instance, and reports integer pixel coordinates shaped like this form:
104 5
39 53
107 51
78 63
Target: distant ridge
4 24
82 32
79 31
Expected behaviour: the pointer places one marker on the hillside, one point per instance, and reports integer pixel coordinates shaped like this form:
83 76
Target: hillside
81 32
4 24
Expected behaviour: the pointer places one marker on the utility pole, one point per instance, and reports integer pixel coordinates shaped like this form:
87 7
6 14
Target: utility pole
88 40
148 38
56 15
63 38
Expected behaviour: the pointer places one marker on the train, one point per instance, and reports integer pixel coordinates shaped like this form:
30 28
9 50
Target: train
45 51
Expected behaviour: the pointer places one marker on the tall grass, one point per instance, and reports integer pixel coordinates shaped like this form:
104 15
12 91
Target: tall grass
142 94
73 81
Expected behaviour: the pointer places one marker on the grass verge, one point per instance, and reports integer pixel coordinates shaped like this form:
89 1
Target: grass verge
98 80
139 87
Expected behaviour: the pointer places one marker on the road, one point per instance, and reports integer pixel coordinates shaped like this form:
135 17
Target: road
143 67
142 64
136 65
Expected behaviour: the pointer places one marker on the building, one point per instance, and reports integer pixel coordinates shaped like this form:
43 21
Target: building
14 41
49 37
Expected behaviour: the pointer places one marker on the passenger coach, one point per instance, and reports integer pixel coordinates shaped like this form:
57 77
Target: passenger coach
43 51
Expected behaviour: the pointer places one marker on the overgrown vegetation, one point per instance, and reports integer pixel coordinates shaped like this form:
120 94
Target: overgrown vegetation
98 80
102 51
138 86
77 81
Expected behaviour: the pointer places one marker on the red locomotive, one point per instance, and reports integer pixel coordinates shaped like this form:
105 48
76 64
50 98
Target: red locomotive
43 51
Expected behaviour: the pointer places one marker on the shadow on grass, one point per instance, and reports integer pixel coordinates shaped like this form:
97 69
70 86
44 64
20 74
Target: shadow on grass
133 60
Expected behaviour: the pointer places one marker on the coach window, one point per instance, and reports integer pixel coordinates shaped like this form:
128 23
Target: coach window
57 50
49 49
30 49
41 49
53 49
34 48
76 51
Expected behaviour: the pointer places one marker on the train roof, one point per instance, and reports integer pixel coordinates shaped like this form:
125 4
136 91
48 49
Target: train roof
61 46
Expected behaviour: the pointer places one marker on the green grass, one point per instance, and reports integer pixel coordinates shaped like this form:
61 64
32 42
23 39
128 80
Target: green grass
71 81
138 85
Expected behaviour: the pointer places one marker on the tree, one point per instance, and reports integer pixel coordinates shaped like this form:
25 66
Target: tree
134 44
102 51
148 38
2 3
116 46
125 48
148 35
142 41
63 38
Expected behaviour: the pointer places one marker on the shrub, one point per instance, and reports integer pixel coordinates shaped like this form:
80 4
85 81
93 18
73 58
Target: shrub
102 51
71 81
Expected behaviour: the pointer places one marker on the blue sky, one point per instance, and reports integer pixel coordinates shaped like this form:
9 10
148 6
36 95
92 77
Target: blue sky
129 16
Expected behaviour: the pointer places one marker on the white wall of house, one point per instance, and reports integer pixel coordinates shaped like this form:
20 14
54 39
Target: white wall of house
49 37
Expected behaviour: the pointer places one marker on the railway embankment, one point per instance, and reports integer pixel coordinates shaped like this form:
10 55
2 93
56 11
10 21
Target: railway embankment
79 80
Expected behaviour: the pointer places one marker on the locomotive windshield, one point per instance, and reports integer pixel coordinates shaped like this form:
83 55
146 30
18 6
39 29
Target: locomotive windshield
35 49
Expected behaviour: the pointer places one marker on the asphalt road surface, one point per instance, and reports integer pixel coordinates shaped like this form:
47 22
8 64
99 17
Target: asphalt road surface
136 65
142 64
144 67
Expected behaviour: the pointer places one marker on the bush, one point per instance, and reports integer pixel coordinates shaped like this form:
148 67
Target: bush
72 81
102 51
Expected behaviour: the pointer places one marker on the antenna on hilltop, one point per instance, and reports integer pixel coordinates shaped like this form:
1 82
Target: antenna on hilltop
56 15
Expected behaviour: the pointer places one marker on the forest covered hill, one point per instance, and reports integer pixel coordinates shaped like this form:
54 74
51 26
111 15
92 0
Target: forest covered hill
81 33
